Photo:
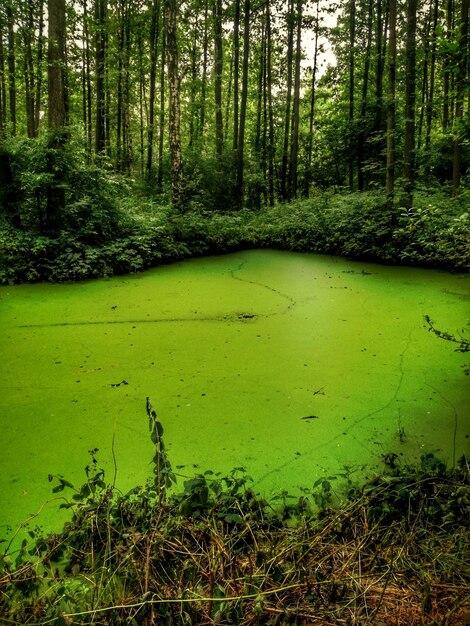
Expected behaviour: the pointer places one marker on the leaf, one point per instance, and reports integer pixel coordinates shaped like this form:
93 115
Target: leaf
233 518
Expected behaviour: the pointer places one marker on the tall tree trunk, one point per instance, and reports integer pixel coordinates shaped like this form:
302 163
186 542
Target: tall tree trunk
57 111
39 58
154 31
432 74
410 97
270 147
192 92
120 81
312 103
381 43
236 71
161 121
352 41
290 55
3 98
11 66
392 55
100 26
361 139
29 77
459 100
88 90
177 175
243 104
202 116
425 83
294 146
447 66
218 69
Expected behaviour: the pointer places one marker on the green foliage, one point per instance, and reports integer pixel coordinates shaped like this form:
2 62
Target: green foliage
139 233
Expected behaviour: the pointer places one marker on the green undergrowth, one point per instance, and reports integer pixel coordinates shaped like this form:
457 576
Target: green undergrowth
125 231
392 550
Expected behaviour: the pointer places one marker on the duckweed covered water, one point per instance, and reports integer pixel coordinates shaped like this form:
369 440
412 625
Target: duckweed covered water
291 365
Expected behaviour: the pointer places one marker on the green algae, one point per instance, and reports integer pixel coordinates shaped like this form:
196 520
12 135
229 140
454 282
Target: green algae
290 365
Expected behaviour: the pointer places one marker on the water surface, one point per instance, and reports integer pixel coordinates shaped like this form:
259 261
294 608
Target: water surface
291 365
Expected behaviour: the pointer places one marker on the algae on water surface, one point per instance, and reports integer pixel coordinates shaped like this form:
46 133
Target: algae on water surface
291 365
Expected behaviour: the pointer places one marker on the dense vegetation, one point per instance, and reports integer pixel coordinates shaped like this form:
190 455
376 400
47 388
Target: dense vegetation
393 551
133 132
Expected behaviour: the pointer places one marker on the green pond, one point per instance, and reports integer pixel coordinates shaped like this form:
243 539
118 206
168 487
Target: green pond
291 365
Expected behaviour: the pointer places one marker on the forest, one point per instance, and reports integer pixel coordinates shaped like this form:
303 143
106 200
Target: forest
293 177
136 131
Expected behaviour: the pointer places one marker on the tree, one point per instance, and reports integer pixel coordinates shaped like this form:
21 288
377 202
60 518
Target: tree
392 56
352 39
57 112
11 66
459 99
218 69
410 86
176 158
100 61
243 104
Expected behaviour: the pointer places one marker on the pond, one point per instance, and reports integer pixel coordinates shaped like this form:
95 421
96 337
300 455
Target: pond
291 365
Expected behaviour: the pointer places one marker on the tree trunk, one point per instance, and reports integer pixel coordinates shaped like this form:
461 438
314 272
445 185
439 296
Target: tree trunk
392 54
3 98
29 81
39 58
352 40
57 112
236 71
218 69
361 139
161 121
270 147
100 26
432 74
177 176
447 66
202 117
88 90
290 54
459 100
243 105
312 104
11 66
154 31
294 147
410 97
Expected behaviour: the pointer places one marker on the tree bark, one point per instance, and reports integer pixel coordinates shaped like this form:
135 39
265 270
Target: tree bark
11 67
290 54
352 40
218 69
57 112
361 139
100 26
392 54
236 71
243 104
410 97
459 100
270 147
177 176
294 147
312 104
447 66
